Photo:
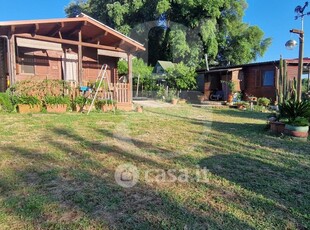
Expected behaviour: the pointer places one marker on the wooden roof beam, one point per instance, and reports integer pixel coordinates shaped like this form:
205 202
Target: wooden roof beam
35 29
76 29
118 44
97 37
56 29
70 42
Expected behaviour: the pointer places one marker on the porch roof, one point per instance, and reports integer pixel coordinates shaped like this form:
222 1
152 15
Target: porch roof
93 32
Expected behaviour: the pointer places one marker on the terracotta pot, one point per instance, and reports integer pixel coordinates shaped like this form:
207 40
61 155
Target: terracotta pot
182 101
277 127
297 131
23 108
56 108
139 109
174 101
230 98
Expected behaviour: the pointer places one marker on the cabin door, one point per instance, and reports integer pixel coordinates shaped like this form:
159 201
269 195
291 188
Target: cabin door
3 66
70 67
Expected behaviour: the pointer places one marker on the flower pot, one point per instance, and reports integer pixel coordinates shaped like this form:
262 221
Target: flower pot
56 108
297 131
139 109
182 101
174 101
240 107
277 127
24 108
230 98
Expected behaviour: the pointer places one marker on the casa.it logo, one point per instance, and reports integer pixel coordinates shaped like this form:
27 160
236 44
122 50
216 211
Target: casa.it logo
126 175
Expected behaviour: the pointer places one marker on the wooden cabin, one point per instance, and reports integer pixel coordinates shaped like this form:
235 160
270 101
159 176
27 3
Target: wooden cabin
255 79
70 49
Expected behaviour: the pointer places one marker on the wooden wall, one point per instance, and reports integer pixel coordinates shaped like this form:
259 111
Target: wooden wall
48 65
253 82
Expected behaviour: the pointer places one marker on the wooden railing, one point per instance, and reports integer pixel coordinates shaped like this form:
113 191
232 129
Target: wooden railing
121 93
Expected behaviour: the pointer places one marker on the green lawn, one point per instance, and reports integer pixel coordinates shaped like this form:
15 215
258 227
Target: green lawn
57 171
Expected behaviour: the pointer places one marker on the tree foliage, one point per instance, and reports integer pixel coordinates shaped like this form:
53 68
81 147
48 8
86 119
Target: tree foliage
184 30
181 77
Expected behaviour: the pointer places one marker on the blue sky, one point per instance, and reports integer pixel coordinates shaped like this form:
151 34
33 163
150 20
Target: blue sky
274 17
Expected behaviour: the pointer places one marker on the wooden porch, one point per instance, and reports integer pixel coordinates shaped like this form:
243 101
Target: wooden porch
70 49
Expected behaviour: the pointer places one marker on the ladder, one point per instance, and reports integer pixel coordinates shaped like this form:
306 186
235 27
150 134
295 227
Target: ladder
101 76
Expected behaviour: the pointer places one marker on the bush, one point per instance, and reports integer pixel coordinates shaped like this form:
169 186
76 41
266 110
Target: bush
6 103
263 101
56 100
26 100
172 94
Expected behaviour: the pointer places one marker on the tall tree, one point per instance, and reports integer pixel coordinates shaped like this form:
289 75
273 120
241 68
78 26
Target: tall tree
182 30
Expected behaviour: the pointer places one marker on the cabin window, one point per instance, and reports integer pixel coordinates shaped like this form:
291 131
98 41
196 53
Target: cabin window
268 77
27 64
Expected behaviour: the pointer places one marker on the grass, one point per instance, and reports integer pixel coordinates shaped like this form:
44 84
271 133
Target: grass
58 171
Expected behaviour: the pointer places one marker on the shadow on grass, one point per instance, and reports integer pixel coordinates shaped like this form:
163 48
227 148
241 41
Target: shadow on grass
241 113
81 192
289 188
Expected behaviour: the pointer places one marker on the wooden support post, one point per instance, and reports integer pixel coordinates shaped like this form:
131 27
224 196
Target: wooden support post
130 88
80 59
13 60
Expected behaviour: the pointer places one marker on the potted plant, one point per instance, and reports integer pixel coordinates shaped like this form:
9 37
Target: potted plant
299 127
276 123
297 115
27 104
172 96
263 101
240 105
101 105
56 104
78 103
231 88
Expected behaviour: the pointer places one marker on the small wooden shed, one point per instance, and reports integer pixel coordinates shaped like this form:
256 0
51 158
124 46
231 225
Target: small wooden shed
70 49
255 79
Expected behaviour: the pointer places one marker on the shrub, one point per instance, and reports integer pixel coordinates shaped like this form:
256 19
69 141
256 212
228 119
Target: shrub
6 103
100 103
263 101
80 101
172 94
56 100
26 100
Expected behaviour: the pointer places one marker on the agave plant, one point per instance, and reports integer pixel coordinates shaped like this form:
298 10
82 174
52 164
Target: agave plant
292 109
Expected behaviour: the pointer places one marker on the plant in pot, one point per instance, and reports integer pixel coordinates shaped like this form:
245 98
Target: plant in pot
297 114
263 101
231 88
101 105
79 103
299 127
173 96
241 105
56 104
276 123
27 104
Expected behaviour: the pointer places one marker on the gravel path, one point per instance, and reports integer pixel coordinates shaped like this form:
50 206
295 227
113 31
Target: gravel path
152 103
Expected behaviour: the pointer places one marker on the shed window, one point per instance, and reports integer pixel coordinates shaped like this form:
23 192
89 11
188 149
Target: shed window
268 77
27 64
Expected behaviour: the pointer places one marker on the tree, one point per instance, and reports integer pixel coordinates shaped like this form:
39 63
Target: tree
181 77
183 30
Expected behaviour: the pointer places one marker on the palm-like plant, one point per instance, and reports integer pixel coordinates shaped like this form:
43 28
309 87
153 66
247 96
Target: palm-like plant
292 109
